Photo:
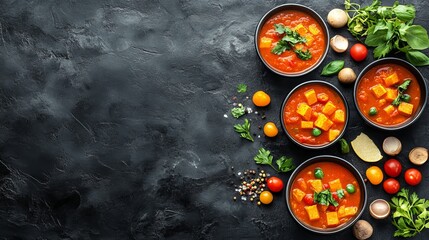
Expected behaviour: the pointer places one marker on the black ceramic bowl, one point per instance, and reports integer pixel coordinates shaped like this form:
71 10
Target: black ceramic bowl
285 126
420 80
295 7
349 167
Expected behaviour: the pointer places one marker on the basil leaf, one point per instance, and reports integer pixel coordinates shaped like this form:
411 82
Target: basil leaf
405 12
333 68
417 37
417 58
303 55
382 50
375 39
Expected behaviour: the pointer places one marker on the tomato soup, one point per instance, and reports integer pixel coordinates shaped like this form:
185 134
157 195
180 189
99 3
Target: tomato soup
325 195
384 96
315 114
301 24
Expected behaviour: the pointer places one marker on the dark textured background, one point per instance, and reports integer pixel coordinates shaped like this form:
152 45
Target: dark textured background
112 121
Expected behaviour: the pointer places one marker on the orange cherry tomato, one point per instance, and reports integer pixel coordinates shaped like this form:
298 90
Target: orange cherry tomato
374 175
261 99
270 129
266 197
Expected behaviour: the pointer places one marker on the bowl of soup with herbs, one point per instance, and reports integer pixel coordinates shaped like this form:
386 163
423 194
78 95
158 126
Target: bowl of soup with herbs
390 94
291 40
326 194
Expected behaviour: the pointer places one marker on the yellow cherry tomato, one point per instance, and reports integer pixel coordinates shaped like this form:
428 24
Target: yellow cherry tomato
261 99
270 129
374 175
266 197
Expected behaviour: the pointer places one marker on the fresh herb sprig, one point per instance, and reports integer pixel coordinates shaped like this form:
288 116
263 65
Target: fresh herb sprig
288 42
241 88
264 157
401 96
238 111
411 213
326 198
389 28
244 130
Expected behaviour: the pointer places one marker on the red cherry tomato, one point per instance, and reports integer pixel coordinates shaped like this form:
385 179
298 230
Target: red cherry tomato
308 199
335 196
332 208
358 52
413 176
392 167
325 186
391 186
275 184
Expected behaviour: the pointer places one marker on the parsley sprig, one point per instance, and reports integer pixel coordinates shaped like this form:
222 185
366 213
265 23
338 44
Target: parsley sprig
244 130
284 164
288 41
411 214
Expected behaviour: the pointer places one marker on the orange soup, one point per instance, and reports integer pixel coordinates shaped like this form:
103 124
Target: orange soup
382 98
324 200
314 114
308 38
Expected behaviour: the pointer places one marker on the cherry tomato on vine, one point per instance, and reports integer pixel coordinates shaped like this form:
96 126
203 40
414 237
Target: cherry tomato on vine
275 184
270 129
392 167
374 175
266 197
391 186
358 52
261 99
308 199
413 176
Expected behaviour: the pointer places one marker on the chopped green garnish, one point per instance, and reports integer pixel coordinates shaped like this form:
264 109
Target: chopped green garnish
288 41
238 111
241 88
244 130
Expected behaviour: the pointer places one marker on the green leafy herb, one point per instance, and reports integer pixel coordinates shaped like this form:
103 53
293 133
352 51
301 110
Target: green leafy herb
244 130
401 96
325 198
411 213
238 111
389 28
332 68
288 42
344 146
241 88
264 157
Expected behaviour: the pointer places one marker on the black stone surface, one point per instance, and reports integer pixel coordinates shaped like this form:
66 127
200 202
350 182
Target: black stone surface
112 121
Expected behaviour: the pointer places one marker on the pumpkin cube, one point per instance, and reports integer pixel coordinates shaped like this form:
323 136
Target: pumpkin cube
339 116
329 108
332 218
313 29
304 110
346 211
389 109
313 213
405 109
298 194
315 184
333 134
391 94
301 184
265 42
311 96
306 124
378 90
392 79
309 38
335 185
323 122
301 29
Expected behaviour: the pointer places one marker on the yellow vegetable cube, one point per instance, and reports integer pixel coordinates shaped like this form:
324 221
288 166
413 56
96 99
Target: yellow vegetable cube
335 185
389 109
391 94
307 124
332 218
300 29
329 108
313 29
378 90
311 96
339 116
316 185
391 79
313 213
323 122
265 42
405 109
304 110
346 211
309 38
298 194
333 134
